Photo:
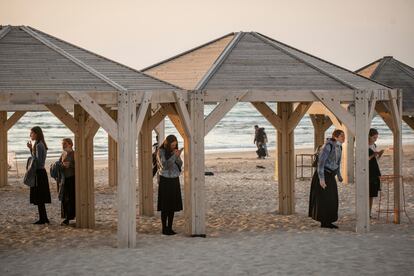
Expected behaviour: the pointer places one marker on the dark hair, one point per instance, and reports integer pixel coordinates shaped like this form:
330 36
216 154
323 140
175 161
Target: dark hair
337 133
256 126
167 143
372 132
40 138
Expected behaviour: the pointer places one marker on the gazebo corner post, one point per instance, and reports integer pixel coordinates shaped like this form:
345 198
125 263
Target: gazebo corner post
396 106
285 162
145 178
4 167
112 155
361 158
350 151
194 179
126 138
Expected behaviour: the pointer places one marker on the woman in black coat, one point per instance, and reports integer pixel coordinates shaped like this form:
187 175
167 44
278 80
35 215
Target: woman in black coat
374 170
40 193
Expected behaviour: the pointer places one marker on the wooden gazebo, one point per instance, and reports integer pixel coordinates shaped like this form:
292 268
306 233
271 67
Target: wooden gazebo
251 67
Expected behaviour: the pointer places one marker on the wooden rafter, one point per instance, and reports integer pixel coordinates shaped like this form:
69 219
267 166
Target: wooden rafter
13 119
142 110
268 113
297 115
64 116
183 112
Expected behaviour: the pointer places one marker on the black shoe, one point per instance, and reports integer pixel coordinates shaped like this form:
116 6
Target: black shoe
333 226
171 232
47 221
164 232
65 222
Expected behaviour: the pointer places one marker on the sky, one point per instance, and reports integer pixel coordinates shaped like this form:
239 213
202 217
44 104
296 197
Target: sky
140 33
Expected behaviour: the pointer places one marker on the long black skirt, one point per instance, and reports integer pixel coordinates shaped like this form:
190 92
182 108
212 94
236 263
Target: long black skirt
374 186
323 203
169 195
68 203
40 194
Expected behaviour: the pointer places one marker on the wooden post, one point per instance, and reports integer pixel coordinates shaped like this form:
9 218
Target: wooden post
194 182
361 157
84 176
127 135
349 168
397 155
321 123
112 155
4 167
285 164
145 179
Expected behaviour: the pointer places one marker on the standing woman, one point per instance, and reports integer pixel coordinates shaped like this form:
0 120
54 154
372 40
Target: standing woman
374 170
40 193
67 191
323 203
169 192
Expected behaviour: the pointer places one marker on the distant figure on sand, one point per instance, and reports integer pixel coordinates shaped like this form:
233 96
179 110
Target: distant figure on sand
374 170
40 193
323 200
169 192
260 139
67 190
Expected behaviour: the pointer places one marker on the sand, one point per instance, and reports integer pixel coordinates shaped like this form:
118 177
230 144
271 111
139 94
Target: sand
245 233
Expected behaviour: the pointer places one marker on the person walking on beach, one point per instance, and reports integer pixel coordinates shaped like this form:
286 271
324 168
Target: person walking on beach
39 193
169 192
67 190
374 170
260 139
323 202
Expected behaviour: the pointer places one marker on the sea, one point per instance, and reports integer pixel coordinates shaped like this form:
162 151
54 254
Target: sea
235 132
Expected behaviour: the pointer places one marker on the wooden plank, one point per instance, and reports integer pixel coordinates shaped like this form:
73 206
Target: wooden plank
372 104
91 127
175 118
96 111
385 114
395 113
63 116
183 112
331 102
220 111
145 179
409 121
286 168
142 111
297 115
127 136
13 119
361 159
397 157
113 155
269 115
4 167
157 118
320 123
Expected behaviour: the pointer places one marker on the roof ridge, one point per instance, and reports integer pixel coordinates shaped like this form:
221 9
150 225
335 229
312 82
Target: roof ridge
335 65
306 62
219 61
186 52
75 60
368 65
4 31
383 61
108 59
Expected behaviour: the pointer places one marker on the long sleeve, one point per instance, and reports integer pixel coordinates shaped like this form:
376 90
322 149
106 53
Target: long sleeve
323 156
40 155
163 162
339 175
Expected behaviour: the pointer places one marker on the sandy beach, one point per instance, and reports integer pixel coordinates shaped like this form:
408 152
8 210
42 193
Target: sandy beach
245 233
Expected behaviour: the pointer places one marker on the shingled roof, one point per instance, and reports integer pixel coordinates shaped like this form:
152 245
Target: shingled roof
250 60
35 61
393 73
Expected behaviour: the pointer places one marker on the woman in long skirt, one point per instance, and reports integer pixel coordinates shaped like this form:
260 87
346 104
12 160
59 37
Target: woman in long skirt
323 202
169 192
67 193
374 170
40 193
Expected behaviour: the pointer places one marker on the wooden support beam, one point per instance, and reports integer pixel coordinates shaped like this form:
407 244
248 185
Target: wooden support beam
321 123
145 179
333 104
63 116
96 111
194 182
84 172
175 118
372 104
285 164
220 111
14 118
385 114
361 157
183 112
297 115
127 196
397 155
142 109
395 113
112 155
157 117
269 115
409 121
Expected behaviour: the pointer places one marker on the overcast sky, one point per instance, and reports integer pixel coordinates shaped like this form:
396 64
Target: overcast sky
350 33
